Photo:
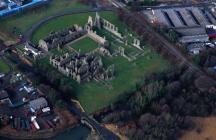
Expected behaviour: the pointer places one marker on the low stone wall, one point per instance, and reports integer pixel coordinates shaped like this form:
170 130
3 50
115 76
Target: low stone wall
78 39
96 37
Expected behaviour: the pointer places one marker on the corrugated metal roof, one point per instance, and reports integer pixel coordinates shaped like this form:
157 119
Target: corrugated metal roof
38 103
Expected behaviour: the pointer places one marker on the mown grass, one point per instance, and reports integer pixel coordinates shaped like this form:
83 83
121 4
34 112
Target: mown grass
94 96
67 21
4 68
85 45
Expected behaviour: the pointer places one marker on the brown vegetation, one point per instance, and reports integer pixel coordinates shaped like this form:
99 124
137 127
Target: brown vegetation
205 129
162 107
66 118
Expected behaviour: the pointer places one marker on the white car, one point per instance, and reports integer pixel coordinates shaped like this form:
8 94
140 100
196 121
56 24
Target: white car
210 45
47 109
2 75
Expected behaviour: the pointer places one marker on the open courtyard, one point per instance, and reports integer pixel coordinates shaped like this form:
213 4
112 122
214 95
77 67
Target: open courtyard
84 45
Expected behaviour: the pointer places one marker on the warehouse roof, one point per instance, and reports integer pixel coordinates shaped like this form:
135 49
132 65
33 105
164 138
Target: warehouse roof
38 103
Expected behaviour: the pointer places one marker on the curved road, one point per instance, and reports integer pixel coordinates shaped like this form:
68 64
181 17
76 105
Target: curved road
102 131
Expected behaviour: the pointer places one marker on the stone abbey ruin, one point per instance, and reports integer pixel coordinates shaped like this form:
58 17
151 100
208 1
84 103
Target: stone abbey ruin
84 67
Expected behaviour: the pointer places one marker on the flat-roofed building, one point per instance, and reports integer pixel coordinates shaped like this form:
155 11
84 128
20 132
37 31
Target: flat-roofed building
38 104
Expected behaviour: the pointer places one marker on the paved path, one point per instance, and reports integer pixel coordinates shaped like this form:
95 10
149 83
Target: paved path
102 131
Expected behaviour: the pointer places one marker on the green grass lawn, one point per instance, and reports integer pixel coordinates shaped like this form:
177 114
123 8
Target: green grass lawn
3 67
85 45
67 21
24 21
109 36
93 95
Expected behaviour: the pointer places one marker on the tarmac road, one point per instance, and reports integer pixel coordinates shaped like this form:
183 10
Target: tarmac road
105 133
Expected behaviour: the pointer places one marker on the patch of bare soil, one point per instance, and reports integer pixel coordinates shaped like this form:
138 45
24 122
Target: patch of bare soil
116 130
205 129
66 118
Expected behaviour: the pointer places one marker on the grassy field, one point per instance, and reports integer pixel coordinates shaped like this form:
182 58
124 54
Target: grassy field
3 67
109 36
15 25
85 45
93 95
67 21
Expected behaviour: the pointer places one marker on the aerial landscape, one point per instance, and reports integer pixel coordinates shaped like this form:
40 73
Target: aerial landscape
107 70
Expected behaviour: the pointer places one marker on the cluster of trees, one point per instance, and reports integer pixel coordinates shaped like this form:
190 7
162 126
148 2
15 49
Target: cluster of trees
54 78
87 1
149 2
52 95
163 127
162 106
207 60
2 45
1 42
170 34
134 24
137 3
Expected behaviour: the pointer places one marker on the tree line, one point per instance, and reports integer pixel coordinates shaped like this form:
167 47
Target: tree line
162 107
206 60
146 32
54 78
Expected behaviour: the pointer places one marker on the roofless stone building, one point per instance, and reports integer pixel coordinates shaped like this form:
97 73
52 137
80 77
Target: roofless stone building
82 67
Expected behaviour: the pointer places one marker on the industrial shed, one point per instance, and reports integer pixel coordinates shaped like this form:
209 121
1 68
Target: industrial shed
38 104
